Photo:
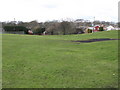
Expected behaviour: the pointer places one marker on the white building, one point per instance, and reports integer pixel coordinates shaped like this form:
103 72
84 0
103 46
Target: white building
110 28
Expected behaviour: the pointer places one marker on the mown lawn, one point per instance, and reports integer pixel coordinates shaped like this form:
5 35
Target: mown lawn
0 61
56 62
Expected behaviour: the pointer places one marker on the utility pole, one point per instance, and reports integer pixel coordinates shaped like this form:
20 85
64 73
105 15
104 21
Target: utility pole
94 18
14 24
93 24
94 21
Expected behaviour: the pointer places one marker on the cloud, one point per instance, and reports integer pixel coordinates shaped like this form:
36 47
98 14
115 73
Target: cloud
50 6
119 11
42 10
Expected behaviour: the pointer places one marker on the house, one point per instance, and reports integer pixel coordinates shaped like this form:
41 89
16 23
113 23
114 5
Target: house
30 32
110 28
96 28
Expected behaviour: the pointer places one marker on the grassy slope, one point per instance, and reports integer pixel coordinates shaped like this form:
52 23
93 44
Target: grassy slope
0 61
56 62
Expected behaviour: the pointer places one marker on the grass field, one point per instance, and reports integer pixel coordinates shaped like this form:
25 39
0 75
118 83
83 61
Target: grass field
56 62
0 61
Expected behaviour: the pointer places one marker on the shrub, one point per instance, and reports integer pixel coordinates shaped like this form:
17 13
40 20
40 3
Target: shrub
89 30
101 29
39 30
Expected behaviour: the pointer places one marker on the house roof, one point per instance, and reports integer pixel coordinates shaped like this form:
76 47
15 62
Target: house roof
110 26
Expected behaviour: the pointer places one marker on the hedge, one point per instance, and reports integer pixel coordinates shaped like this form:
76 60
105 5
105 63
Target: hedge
15 28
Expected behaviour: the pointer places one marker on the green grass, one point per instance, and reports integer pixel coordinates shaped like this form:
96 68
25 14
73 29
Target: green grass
0 61
56 62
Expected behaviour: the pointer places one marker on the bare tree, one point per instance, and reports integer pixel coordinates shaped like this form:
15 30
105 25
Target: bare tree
67 27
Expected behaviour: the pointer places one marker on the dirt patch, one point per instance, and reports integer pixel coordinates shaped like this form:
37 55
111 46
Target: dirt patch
94 40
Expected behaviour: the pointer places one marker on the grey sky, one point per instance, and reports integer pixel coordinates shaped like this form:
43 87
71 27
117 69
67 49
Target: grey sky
119 11
43 10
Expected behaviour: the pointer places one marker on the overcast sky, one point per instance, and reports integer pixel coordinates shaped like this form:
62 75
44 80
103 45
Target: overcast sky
44 10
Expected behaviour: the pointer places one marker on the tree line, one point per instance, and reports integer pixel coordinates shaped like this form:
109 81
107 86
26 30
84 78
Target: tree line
53 27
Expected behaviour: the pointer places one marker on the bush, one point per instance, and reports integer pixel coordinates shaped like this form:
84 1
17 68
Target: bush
39 30
89 30
101 29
